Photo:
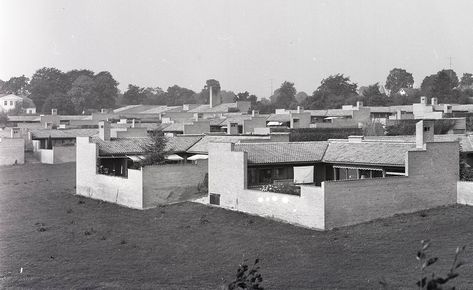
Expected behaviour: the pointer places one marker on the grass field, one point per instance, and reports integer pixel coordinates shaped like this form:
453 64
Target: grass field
63 241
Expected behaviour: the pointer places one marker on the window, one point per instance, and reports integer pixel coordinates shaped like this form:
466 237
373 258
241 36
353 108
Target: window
5 103
215 199
426 129
11 103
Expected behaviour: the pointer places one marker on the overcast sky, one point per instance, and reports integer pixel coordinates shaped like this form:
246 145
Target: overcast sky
243 44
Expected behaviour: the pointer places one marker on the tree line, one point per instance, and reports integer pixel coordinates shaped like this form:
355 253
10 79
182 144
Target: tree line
82 91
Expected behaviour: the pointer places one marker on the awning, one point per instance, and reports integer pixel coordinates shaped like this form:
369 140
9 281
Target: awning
331 118
274 123
357 167
174 157
198 157
136 158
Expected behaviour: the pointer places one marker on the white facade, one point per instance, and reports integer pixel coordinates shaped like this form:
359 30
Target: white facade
10 102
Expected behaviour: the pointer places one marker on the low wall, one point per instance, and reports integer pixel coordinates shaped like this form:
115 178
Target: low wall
170 183
12 151
124 191
465 192
62 154
45 156
431 182
306 210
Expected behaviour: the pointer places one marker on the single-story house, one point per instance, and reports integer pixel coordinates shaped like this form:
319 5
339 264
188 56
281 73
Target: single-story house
323 185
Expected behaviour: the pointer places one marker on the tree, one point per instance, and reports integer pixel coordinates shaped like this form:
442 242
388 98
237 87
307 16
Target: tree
333 92
154 96
134 95
16 85
397 79
245 96
226 96
265 106
204 96
372 96
46 82
466 81
442 87
155 150
105 90
81 93
285 96
3 119
301 97
176 96
59 101
427 85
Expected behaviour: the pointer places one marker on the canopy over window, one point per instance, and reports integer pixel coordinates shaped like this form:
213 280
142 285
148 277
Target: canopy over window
174 157
198 157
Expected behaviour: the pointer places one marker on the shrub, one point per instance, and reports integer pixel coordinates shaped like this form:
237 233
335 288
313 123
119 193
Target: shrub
203 187
247 278
408 127
281 188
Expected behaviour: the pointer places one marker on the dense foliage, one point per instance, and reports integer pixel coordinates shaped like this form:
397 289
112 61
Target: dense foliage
408 127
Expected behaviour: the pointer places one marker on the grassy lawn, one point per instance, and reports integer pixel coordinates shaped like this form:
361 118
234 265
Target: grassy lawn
90 244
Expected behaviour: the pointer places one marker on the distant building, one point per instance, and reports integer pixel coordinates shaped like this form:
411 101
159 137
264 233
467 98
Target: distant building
10 102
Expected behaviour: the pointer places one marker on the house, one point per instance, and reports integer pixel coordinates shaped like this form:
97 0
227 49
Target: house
110 169
12 147
10 102
53 146
324 185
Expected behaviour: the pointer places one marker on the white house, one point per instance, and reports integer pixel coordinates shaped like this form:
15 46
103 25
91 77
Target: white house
10 102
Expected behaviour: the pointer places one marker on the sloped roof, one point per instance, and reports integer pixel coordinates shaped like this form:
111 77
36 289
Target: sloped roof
23 118
202 145
174 127
378 153
62 133
221 108
11 96
465 140
279 118
283 152
122 146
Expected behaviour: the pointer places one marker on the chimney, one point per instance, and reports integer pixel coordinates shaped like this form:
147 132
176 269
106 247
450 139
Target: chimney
447 109
254 113
103 111
355 139
423 100
197 116
398 114
133 123
104 130
300 109
53 112
359 104
15 133
185 107
424 133
435 101
211 102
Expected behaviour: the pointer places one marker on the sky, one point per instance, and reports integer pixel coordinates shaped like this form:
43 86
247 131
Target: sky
245 44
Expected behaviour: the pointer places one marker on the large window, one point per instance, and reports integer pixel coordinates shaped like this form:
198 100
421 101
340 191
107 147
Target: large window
349 173
268 175
112 166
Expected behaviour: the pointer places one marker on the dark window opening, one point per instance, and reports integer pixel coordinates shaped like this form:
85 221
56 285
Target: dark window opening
215 199
112 166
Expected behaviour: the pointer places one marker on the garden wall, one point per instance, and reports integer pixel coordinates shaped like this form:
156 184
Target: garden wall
12 151
170 183
465 192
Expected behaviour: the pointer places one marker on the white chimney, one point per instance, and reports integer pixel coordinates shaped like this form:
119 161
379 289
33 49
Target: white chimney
424 133
423 100
359 104
53 112
300 109
133 123
210 98
435 101
104 130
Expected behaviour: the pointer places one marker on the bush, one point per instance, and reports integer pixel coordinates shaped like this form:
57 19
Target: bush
203 187
408 127
281 188
247 278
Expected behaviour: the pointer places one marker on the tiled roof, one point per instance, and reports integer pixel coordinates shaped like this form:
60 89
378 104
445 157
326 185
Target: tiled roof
380 153
174 127
222 108
121 146
465 141
283 152
279 118
66 133
202 145
23 118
